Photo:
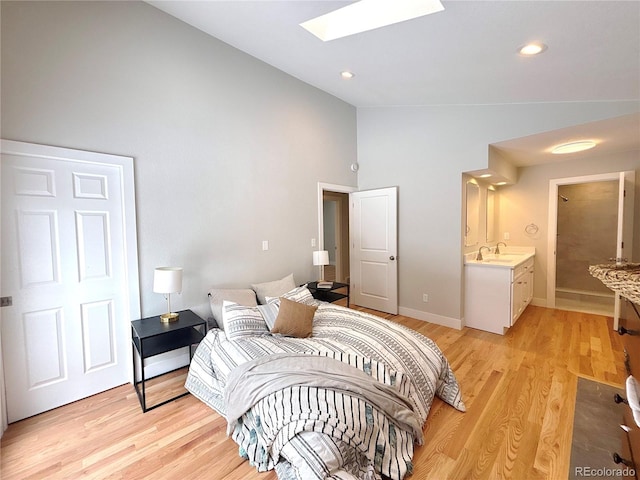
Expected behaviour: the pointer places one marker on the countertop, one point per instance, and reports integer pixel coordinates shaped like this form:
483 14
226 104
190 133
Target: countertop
622 278
509 257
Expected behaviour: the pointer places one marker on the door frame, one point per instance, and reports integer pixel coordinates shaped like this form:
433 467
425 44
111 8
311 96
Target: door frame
328 187
125 165
553 228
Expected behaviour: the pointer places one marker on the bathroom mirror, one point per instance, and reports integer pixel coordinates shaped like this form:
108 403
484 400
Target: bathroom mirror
472 214
491 215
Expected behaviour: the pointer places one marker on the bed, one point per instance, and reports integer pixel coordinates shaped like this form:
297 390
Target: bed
344 400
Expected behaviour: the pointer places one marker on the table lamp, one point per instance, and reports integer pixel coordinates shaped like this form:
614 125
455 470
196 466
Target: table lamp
321 258
168 280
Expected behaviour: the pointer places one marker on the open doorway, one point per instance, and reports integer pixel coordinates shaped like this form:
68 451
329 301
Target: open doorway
336 235
333 229
586 235
590 222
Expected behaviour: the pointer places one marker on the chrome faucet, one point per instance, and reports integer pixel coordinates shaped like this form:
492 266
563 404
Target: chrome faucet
479 257
498 247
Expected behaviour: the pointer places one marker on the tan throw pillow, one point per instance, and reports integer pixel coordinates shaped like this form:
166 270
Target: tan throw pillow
294 319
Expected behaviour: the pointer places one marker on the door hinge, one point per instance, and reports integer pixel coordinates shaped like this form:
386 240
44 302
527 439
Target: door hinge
6 301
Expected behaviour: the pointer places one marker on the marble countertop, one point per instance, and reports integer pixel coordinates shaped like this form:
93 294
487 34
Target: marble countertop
622 278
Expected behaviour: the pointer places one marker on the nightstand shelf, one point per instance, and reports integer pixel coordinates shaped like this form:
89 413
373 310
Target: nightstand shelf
329 294
151 337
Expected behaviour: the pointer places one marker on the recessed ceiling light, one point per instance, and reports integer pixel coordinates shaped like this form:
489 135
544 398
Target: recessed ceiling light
485 175
346 74
573 147
501 183
532 49
367 15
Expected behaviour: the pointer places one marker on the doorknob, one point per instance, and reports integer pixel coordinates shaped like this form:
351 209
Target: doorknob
392 257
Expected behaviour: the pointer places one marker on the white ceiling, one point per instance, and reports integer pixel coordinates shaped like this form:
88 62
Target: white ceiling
465 55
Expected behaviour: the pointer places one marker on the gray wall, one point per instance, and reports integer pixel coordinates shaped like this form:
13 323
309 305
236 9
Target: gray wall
424 151
228 150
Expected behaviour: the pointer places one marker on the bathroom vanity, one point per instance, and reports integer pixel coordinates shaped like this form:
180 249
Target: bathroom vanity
497 288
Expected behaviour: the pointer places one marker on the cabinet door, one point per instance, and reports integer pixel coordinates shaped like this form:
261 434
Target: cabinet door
630 443
517 298
529 295
630 322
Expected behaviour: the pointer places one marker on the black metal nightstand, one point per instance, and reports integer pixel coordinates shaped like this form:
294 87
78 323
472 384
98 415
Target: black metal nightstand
329 294
150 337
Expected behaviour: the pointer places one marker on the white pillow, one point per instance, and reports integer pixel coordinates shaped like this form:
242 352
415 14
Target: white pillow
241 321
299 294
275 288
269 312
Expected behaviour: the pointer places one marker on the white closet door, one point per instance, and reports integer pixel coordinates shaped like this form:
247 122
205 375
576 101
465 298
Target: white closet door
64 262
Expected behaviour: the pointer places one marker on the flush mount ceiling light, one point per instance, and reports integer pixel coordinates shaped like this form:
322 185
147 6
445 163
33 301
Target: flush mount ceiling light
347 75
367 15
573 147
532 49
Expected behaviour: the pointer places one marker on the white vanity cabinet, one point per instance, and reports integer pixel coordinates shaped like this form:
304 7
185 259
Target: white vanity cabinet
496 293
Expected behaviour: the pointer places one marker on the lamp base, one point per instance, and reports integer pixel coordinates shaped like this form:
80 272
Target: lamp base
169 317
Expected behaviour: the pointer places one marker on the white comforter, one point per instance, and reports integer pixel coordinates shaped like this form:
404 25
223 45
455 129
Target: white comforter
381 348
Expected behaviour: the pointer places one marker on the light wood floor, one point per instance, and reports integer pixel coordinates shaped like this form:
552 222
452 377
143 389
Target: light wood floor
519 390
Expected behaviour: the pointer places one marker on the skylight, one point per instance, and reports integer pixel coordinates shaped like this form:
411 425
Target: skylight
368 15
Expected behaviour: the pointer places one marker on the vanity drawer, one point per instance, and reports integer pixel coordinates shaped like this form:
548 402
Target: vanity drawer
523 268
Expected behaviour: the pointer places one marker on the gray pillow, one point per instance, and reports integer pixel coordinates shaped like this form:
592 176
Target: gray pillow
274 289
241 296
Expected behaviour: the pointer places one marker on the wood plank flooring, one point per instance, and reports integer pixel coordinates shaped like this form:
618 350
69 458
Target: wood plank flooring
519 390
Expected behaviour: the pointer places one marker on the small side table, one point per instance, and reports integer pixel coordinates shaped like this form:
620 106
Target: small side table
150 337
329 294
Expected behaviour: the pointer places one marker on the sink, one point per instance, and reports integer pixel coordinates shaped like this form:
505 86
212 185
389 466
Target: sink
502 259
510 258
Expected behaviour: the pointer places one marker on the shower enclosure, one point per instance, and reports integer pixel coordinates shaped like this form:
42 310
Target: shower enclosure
586 235
590 222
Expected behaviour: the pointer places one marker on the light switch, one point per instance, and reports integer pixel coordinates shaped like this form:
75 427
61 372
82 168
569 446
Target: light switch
265 245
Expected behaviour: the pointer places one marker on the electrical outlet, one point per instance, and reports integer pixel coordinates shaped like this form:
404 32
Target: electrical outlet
506 235
425 297
6 301
313 242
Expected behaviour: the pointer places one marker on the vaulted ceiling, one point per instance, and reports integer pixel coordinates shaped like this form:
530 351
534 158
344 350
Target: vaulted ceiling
464 55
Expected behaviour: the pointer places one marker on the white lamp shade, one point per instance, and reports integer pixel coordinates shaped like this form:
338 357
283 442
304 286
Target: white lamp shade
167 280
321 257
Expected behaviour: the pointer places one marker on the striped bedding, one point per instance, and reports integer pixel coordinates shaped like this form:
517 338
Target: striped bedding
309 448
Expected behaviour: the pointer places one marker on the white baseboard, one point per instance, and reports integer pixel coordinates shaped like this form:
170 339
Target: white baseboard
539 302
431 318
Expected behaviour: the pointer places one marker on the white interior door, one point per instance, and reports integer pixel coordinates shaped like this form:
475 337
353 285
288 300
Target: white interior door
68 266
626 194
374 249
